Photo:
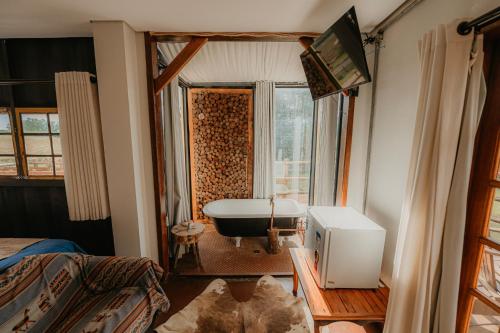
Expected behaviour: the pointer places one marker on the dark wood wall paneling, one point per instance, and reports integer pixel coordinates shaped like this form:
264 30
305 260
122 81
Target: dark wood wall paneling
38 208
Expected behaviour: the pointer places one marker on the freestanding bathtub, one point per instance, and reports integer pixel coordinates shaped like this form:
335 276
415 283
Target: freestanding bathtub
250 217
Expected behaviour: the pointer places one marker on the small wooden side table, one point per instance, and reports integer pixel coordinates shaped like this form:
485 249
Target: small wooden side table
331 305
189 238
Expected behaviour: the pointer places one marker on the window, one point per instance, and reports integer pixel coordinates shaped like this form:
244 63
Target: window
8 165
479 295
293 132
39 141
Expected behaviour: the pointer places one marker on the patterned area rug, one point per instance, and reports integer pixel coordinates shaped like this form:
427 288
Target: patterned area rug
271 309
220 257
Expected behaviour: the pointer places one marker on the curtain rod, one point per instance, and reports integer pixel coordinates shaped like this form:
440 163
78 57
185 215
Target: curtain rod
486 19
15 82
394 16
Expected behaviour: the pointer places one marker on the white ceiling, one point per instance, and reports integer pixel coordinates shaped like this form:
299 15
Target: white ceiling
65 18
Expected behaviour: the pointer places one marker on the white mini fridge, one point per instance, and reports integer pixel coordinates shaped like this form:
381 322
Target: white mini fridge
344 248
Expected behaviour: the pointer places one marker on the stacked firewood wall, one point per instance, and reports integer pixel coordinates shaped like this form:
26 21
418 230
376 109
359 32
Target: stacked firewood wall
221 127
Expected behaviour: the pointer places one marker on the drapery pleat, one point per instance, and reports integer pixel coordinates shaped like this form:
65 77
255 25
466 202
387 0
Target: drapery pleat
82 147
426 273
263 181
446 310
176 177
325 151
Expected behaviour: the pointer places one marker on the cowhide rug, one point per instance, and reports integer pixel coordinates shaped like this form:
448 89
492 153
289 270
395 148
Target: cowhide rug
270 310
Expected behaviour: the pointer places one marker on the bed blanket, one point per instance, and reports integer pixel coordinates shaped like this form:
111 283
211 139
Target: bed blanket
74 292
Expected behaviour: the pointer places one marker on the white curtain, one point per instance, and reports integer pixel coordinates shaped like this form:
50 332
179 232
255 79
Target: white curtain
241 62
82 147
176 177
325 151
456 210
263 181
426 274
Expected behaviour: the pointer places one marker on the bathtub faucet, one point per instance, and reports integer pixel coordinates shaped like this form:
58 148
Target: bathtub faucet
272 202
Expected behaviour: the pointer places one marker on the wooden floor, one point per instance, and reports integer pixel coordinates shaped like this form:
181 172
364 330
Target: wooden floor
182 290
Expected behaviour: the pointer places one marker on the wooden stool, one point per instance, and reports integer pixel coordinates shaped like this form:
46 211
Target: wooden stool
342 327
189 238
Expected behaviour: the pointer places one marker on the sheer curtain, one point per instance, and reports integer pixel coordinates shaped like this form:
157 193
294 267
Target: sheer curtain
82 147
263 181
426 274
176 177
325 152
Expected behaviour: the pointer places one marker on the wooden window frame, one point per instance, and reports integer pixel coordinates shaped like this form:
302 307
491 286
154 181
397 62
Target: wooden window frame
22 152
13 137
483 182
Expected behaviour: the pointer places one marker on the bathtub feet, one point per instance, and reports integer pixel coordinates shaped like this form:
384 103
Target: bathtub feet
237 241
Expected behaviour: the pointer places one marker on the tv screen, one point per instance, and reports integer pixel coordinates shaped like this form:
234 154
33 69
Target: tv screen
336 60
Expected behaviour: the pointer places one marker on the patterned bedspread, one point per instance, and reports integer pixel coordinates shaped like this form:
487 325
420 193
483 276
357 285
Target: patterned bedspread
74 292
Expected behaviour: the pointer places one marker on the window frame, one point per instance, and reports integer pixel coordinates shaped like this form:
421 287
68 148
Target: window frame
482 186
12 133
22 155
285 85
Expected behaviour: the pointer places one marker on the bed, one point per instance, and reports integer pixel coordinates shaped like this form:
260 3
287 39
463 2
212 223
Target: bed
13 250
45 290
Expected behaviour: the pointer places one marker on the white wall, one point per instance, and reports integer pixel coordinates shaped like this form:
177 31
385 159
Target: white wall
396 96
121 71
359 146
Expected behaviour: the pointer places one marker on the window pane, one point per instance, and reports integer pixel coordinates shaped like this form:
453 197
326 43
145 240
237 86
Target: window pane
59 166
5 123
6 144
293 141
40 166
37 145
56 144
483 319
54 122
35 123
489 275
495 217
498 172
8 166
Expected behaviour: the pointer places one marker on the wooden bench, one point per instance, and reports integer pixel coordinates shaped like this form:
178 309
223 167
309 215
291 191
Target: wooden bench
331 305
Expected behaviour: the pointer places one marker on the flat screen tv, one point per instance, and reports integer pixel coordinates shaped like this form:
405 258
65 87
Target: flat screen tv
336 60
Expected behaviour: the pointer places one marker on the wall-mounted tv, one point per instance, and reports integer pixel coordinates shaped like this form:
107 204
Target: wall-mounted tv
336 60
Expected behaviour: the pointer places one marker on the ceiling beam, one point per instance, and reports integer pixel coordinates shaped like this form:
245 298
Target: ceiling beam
233 36
181 60
306 41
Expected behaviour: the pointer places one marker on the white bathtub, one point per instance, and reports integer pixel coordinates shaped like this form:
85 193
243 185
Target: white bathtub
250 217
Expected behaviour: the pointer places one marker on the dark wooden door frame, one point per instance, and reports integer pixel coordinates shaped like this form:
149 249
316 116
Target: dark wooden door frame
156 82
